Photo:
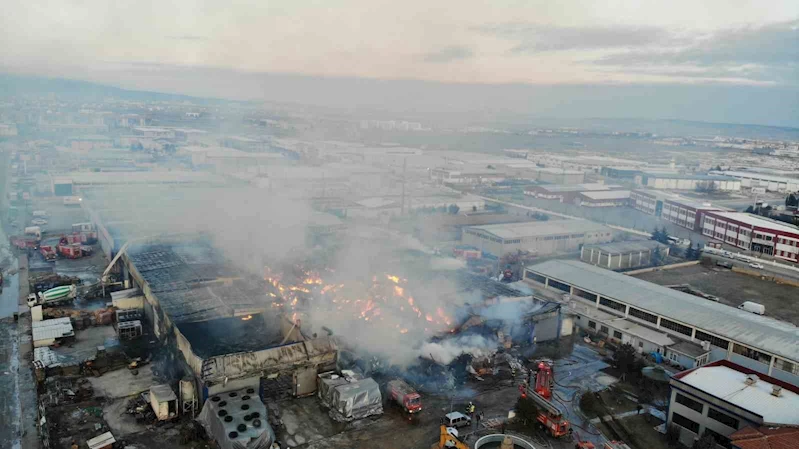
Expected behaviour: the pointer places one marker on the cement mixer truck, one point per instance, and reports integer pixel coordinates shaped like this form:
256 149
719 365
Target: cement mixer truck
54 296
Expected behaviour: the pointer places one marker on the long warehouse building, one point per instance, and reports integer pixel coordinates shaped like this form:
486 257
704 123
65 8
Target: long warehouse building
756 342
540 237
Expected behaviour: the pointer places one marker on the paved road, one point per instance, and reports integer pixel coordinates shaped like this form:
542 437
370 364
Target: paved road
767 270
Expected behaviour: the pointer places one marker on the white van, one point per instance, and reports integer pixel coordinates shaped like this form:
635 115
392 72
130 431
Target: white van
753 307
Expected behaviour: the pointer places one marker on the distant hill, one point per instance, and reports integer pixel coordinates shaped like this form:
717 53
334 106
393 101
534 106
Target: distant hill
75 90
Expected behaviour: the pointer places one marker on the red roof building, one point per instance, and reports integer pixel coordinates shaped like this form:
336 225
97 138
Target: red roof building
766 438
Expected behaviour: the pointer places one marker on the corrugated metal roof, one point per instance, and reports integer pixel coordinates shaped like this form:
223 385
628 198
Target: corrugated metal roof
767 334
52 331
162 393
540 228
50 322
606 195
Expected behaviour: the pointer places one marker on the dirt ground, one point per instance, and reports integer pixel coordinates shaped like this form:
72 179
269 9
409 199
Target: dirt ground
781 301
642 428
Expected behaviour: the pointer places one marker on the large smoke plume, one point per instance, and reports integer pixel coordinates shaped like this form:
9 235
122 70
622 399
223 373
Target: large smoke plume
257 230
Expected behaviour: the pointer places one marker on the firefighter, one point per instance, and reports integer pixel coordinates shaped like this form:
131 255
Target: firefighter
470 408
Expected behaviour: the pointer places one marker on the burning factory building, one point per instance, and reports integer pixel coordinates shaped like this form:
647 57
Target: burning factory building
222 323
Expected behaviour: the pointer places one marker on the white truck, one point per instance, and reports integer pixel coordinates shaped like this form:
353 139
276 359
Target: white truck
753 307
54 296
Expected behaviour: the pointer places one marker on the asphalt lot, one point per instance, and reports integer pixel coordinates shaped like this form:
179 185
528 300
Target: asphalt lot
767 270
781 300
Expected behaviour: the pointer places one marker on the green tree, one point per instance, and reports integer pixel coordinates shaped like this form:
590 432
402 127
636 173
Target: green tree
474 208
690 252
707 441
664 234
792 200
656 235
526 410
453 209
624 358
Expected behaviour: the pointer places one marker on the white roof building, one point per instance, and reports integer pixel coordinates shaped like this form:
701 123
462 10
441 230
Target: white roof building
736 388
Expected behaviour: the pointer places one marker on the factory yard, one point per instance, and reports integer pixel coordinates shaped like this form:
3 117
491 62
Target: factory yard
733 288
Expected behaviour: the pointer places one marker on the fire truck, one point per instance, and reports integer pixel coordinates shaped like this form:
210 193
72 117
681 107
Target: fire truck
549 416
404 395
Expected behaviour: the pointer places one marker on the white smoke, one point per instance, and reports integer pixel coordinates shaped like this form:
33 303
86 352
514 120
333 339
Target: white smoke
444 352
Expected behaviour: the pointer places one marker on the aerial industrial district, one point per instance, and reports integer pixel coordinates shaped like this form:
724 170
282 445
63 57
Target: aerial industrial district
207 275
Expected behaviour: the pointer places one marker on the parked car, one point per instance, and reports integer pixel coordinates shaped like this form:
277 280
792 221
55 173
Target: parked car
39 221
456 419
727 254
757 266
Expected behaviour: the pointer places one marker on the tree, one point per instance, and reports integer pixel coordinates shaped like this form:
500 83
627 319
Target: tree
706 186
697 252
661 235
792 200
657 256
750 210
624 359
718 168
690 252
526 410
673 434
707 441
656 235
453 209
474 208
665 236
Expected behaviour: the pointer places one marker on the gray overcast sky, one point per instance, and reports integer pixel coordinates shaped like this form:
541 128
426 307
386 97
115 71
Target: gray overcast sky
144 43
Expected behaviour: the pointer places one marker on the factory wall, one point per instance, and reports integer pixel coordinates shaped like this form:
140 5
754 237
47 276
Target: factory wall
542 245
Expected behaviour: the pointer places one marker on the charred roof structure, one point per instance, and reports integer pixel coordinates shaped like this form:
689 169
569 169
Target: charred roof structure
221 321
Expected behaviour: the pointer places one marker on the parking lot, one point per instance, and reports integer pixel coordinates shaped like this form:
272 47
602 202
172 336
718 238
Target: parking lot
781 301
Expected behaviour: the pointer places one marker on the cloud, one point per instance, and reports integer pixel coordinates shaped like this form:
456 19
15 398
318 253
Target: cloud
448 54
535 38
187 37
769 52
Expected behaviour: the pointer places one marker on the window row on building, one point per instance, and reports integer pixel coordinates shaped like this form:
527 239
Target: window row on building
661 322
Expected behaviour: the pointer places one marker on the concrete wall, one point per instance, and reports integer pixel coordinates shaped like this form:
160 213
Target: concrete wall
687 437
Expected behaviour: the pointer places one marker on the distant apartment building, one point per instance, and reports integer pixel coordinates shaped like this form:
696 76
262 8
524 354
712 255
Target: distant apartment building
753 233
